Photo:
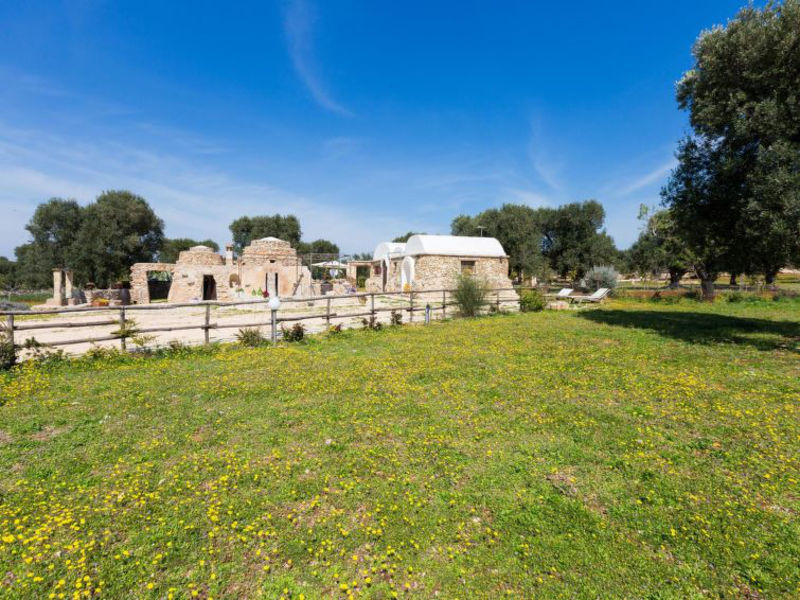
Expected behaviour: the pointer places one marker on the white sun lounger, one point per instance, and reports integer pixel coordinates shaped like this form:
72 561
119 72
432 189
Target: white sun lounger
598 296
562 293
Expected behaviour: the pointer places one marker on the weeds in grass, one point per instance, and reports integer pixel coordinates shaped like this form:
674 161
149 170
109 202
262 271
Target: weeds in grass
470 295
251 337
601 453
8 353
532 301
295 333
372 324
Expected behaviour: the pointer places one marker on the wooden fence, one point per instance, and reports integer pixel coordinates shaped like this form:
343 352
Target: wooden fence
124 331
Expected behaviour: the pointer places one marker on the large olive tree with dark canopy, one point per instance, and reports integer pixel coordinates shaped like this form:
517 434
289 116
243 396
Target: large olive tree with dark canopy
735 195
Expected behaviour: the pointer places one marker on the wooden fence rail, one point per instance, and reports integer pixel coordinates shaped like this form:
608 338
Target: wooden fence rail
126 330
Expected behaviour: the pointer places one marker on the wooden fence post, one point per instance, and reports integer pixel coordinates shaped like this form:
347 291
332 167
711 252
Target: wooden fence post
207 325
11 330
372 306
411 307
122 342
444 304
328 312
497 302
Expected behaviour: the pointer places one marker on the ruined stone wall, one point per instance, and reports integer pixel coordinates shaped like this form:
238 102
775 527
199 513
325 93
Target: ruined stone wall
200 255
140 294
187 282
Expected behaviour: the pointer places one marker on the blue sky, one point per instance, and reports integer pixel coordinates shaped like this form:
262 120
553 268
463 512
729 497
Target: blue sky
365 119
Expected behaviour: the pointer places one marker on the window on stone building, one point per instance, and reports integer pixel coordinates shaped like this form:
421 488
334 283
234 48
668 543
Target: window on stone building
467 267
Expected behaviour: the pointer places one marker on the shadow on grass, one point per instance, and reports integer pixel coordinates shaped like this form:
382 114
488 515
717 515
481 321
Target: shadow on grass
706 328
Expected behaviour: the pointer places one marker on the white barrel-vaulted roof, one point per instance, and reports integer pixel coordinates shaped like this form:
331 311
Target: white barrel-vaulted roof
386 249
453 245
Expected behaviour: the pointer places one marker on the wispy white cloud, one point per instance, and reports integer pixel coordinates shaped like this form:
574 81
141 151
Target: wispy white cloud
298 26
340 146
529 197
642 181
547 167
195 199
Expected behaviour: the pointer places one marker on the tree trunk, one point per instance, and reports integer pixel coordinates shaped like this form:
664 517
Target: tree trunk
770 276
707 285
733 280
675 276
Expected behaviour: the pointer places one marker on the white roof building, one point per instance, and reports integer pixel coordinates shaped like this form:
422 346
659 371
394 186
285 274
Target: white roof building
453 245
386 250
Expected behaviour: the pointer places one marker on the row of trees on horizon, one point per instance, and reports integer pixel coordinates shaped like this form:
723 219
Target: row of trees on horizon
101 241
732 204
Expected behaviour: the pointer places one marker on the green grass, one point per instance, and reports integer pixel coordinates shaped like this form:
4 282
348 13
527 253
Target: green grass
642 450
29 298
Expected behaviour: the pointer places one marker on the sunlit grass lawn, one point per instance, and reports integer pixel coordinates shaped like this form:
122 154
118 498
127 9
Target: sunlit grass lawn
641 450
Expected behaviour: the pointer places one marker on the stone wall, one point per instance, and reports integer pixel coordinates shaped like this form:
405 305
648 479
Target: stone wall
262 264
433 272
200 255
140 294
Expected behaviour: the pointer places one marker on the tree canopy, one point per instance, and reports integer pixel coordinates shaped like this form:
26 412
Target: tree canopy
172 247
401 239
735 194
54 228
516 226
659 248
118 229
247 229
568 239
99 242
573 240
317 247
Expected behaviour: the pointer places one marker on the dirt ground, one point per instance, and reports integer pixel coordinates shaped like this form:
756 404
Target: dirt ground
62 327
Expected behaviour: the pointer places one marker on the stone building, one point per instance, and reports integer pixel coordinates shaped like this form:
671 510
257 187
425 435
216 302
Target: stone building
201 274
433 262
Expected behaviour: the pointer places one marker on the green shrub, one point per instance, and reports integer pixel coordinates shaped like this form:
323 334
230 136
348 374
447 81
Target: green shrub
43 353
295 333
8 353
396 318
532 301
470 295
250 336
101 353
783 295
601 277
372 323
742 297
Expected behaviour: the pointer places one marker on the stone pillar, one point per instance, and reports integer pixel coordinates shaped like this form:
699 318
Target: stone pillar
58 287
228 254
68 285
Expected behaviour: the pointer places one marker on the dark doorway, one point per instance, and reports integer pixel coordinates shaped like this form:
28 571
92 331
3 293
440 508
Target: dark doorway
209 288
158 284
271 284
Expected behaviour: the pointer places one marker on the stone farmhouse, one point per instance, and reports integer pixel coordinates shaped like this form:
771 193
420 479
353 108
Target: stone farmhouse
433 262
268 264
424 263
